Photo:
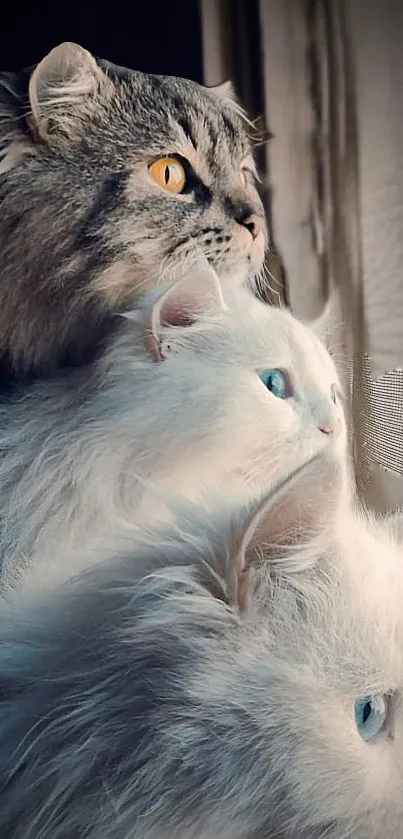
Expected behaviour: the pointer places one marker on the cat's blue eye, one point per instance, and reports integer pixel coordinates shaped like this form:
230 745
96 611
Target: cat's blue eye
370 715
277 381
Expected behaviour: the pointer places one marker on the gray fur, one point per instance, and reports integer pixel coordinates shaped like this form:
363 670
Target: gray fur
139 702
83 228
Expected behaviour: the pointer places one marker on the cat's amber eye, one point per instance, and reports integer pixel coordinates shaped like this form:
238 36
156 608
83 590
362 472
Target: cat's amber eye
169 173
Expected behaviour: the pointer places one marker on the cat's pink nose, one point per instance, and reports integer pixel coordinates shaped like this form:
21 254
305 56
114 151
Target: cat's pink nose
253 224
326 429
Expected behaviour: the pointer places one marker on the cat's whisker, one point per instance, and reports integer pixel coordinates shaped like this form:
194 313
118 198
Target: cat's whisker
263 284
258 144
175 265
255 470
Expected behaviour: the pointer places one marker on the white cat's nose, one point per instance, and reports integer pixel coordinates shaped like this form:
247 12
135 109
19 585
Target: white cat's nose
326 429
332 427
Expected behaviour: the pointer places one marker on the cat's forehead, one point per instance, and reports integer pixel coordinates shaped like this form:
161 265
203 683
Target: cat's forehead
252 334
181 109
355 616
275 335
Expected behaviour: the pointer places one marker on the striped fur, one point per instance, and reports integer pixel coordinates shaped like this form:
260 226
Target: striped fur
83 227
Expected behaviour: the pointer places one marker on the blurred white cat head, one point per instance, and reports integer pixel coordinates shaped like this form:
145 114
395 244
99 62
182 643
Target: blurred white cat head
249 660
326 619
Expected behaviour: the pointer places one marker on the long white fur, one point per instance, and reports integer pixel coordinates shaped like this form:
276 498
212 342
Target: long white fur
138 699
77 452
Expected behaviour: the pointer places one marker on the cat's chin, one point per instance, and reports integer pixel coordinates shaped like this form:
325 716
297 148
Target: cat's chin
239 273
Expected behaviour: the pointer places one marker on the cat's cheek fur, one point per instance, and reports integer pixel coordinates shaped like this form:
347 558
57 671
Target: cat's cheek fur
332 720
192 231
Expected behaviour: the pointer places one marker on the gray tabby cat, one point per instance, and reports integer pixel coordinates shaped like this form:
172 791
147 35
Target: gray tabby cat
110 180
175 691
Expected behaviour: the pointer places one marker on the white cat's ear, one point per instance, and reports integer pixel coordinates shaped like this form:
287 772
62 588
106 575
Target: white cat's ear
295 511
60 89
394 525
195 297
329 325
225 90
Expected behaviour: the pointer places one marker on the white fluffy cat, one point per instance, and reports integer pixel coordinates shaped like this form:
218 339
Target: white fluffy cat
188 688
192 391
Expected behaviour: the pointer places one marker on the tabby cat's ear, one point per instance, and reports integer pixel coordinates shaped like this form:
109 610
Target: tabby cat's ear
61 91
225 90
195 297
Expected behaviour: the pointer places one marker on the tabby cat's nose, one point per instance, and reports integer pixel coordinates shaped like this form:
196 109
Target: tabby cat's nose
252 223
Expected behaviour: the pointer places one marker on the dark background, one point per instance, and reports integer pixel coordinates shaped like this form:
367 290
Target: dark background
154 37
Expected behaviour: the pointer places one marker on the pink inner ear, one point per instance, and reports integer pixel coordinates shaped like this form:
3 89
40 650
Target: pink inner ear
176 313
196 294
